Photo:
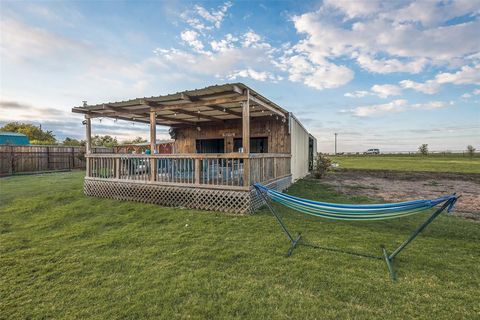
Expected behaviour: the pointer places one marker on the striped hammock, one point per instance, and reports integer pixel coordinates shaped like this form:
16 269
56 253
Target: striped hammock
355 212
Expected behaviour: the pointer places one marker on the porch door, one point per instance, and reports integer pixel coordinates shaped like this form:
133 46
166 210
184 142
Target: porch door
210 146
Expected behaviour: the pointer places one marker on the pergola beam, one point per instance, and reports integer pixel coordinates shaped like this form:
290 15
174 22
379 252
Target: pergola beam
266 106
176 120
226 110
196 114
137 118
157 106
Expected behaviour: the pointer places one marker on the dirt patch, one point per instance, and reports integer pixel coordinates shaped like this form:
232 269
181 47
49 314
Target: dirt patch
392 186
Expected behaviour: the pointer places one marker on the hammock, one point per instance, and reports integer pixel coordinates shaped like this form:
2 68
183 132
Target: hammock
352 212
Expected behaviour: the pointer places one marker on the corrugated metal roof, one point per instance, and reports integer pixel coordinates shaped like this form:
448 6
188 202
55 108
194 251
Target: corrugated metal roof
186 107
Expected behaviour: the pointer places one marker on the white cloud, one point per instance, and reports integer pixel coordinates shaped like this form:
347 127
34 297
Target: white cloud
386 90
432 13
395 106
220 64
390 65
428 87
21 42
431 105
203 20
253 40
191 38
329 76
468 95
357 94
466 75
45 51
387 37
354 9
380 37
378 109
380 90
228 42
316 74
250 73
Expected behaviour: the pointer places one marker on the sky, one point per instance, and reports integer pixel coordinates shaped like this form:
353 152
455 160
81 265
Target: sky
382 74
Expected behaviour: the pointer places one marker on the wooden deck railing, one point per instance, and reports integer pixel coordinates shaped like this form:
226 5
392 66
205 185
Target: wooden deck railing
226 170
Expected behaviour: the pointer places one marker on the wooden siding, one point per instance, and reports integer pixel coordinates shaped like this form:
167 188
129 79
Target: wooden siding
269 126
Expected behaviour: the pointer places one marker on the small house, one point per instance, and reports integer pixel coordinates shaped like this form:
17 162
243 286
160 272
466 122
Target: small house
225 139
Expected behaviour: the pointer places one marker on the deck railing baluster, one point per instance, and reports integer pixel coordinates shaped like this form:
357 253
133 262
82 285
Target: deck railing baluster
203 169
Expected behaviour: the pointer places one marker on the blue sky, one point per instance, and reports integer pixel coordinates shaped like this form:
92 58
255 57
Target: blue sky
389 75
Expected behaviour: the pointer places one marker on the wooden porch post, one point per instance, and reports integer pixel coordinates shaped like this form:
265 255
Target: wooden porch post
88 133
246 138
153 144
88 145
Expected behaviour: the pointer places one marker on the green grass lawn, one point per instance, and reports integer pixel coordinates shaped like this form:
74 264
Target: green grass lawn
64 255
433 163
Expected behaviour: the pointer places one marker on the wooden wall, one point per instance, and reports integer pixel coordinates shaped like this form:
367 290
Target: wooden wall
275 130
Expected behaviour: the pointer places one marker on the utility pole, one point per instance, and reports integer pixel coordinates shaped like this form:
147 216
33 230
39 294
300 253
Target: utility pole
336 134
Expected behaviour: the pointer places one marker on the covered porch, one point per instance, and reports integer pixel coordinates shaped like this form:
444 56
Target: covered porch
212 166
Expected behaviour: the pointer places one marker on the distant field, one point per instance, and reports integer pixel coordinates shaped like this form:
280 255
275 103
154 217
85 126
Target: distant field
436 163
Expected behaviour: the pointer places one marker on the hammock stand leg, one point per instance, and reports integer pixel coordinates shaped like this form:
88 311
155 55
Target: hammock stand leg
389 258
293 241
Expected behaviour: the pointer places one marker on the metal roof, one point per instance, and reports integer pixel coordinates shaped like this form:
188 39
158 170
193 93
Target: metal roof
16 134
13 138
191 107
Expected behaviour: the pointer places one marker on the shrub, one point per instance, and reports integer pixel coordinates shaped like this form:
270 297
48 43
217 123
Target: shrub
81 156
321 165
471 150
423 149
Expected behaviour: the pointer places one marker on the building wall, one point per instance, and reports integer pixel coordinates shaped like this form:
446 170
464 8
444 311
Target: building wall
269 126
299 146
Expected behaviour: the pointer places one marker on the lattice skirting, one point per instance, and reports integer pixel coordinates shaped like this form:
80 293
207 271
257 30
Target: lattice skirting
256 200
230 201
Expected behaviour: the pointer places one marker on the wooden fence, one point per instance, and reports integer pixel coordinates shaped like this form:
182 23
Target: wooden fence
27 159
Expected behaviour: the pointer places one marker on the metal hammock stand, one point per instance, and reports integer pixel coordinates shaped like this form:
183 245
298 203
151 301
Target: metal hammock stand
448 204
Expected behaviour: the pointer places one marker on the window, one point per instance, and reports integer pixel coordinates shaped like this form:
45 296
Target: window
210 146
257 145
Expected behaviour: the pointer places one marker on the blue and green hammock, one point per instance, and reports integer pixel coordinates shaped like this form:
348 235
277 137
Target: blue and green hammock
351 212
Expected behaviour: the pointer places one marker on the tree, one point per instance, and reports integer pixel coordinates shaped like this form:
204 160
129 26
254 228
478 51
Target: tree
471 150
104 141
73 142
135 141
35 134
423 149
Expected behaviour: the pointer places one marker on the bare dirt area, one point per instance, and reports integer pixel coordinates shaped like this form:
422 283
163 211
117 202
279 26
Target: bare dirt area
392 186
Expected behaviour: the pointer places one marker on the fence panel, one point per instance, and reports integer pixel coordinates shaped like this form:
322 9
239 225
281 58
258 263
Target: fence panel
25 159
